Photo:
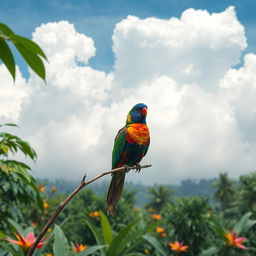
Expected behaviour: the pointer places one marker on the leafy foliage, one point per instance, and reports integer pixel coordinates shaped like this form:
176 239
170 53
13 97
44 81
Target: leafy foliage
29 50
17 186
226 192
159 197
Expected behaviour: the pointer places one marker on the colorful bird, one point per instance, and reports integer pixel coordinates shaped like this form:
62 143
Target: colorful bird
131 145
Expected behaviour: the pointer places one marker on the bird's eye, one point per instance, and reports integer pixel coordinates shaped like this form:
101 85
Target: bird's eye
137 109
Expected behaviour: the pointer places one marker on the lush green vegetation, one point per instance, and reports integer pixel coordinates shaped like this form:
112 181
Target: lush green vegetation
221 223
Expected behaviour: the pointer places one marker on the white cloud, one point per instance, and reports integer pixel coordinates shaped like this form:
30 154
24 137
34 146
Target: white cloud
197 48
201 110
12 95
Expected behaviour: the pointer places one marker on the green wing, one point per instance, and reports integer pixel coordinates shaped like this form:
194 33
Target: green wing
119 145
146 150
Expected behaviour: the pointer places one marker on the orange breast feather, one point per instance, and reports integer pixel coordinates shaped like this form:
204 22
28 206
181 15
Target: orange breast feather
138 133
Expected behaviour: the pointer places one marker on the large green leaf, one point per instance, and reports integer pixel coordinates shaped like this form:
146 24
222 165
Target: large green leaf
120 241
7 57
135 254
137 236
16 227
244 224
9 124
91 250
60 245
106 228
210 251
97 234
5 29
28 44
158 247
32 60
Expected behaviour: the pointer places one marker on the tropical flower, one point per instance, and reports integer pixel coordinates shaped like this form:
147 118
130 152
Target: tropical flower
178 247
48 254
27 242
94 214
54 189
156 217
163 234
45 204
41 188
80 247
159 229
234 241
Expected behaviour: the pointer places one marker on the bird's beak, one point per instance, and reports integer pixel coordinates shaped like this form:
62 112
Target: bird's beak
144 111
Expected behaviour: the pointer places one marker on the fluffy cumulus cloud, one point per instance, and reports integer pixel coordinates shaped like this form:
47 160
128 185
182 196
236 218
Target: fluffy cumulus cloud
202 111
197 48
12 96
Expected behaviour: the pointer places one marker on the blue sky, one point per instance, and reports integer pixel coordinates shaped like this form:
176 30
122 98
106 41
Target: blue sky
194 68
97 18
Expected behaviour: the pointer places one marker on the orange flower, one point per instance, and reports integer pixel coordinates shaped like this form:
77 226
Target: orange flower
178 247
80 247
234 241
159 229
94 214
34 224
54 189
146 251
48 254
41 188
156 217
163 234
45 204
27 242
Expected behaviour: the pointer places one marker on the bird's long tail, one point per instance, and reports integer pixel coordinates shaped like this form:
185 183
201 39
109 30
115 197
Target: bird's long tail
115 192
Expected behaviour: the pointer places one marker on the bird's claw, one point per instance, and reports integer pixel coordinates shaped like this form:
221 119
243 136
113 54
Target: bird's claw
138 168
127 168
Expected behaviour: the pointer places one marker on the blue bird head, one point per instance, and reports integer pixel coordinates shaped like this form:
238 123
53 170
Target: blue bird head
137 114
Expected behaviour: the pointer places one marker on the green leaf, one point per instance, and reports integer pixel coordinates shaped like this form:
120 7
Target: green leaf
7 57
135 254
60 245
106 228
5 29
97 235
16 226
9 124
138 234
28 44
120 241
32 60
91 250
4 148
217 227
210 251
2 235
155 244
244 224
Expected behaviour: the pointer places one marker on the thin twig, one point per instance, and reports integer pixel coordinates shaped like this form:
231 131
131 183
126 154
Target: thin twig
65 202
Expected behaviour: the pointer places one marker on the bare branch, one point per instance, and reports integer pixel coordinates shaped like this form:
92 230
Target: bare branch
65 202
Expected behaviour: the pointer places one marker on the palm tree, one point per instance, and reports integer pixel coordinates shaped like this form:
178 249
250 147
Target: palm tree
248 192
226 192
159 197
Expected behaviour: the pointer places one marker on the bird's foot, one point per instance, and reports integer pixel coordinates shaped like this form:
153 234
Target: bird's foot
138 168
127 168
